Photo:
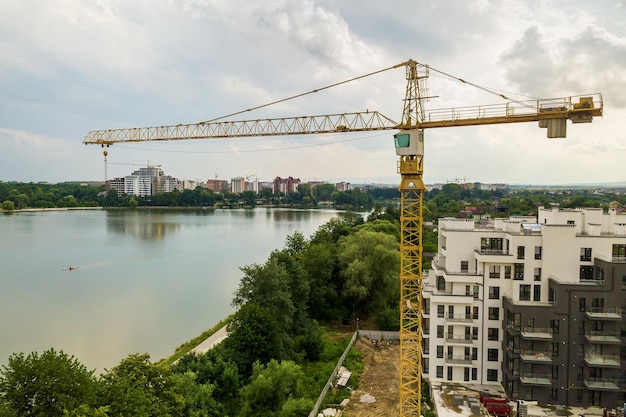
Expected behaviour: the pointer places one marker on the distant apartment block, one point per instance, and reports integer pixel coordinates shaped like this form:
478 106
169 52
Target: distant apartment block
285 185
145 182
217 186
343 186
531 303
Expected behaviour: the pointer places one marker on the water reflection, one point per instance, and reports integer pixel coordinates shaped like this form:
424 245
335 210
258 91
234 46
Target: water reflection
144 224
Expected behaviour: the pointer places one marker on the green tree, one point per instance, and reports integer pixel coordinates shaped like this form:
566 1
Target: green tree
370 266
137 387
270 387
47 384
8 205
254 335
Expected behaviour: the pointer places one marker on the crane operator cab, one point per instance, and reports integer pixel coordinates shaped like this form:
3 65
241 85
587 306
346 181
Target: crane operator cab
409 142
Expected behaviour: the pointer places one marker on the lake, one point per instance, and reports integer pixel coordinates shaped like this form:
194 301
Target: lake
146 280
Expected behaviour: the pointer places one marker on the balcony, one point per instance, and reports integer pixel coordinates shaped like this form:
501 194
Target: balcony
459 318
601 337
493 255
537 333
536 379
535 356
459 340
602 384
600 313
459 360
604 361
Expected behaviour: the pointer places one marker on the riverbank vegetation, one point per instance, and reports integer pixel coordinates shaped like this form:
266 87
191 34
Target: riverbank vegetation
449 200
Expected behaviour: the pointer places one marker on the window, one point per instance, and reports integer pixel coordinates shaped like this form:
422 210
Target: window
537 274
586 272
492 374
440 311
440 332
494 293
623 282
507 272
581 304
464 266
491 244
475 313
449 373
520 252
466 374
439 371
441 284
494 271
426 345
519 272
537 252
524 292
493 333
555 349
619 252
474 354
554 325
537 293
474 333
425 365
492 355
494 313
555 371
585 254
426 304
600 274
474 374
439 351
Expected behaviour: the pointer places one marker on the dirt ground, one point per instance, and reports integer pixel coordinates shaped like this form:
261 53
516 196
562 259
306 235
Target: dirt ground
378 392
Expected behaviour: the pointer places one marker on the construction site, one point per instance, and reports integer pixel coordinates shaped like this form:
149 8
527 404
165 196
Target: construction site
405 368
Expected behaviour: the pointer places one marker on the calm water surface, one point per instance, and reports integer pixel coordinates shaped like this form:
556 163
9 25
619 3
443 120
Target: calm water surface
148 280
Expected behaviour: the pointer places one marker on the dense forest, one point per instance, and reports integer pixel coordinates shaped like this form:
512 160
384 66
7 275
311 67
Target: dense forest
281 346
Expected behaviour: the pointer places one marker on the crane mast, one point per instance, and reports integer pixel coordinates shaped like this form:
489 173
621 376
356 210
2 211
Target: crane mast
410 149
551 114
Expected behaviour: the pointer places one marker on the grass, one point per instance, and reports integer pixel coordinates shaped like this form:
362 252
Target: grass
187 347
335 342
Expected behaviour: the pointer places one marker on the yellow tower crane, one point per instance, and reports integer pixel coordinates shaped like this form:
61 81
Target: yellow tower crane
551 114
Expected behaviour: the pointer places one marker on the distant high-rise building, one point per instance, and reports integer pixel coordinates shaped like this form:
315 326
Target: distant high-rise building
238 185
145 182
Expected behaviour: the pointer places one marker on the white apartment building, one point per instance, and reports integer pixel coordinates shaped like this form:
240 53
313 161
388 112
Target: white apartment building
532 303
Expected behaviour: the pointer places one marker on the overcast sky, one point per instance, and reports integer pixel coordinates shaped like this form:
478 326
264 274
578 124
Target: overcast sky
71 66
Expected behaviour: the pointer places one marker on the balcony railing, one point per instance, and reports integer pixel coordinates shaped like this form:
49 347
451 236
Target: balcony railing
536 379
534 356
596 359
598 336
602 384
460 318
537 333
459 360
601 313
465 340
